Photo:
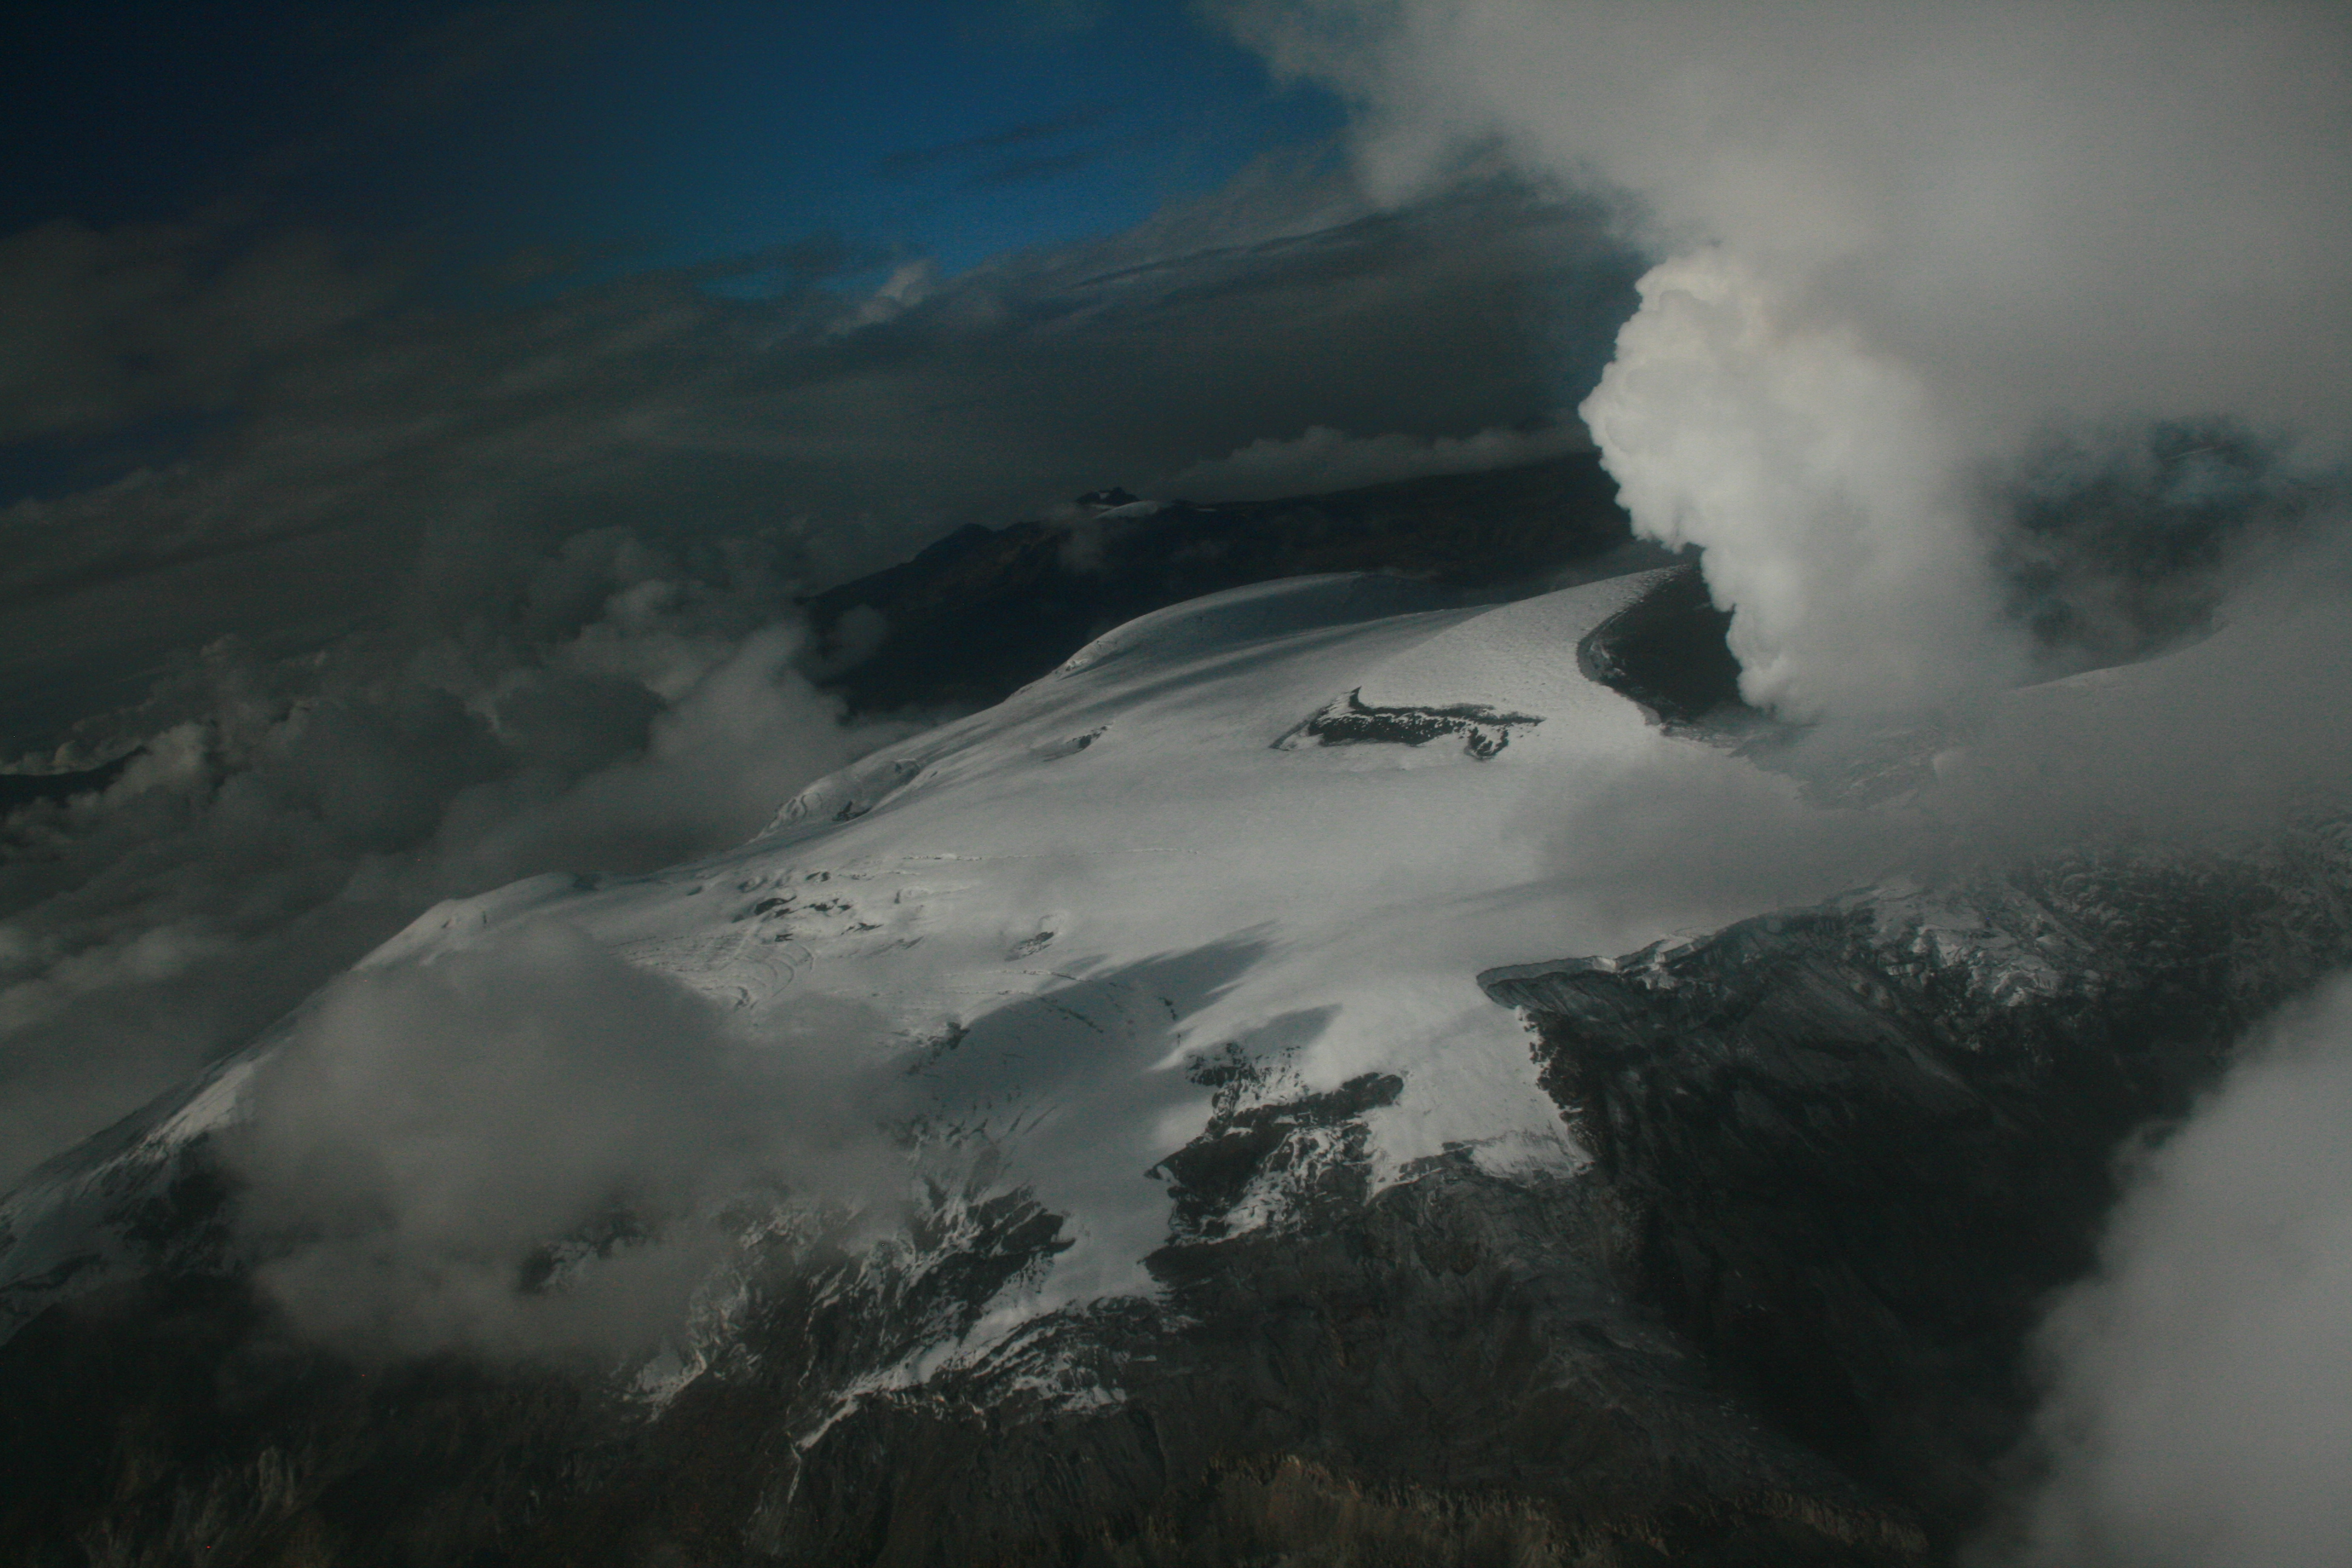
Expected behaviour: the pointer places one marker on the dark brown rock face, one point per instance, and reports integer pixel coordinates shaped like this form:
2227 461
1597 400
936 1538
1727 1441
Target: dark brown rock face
985 611
1435 1374
1850 1149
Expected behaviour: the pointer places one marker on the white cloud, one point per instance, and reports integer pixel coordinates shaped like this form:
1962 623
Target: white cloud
2200 1409
1905 238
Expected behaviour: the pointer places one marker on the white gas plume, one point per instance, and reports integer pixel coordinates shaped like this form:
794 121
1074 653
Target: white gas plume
1902 242
1988 341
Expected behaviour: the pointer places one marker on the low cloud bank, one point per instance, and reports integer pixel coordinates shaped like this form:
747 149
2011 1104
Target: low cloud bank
2199 1413
611 707
1324 458
527 1147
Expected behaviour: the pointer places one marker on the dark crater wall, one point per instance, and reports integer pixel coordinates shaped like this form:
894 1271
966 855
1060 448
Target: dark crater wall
1667 651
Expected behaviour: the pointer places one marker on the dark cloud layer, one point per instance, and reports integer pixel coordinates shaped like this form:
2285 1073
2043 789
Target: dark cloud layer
99 328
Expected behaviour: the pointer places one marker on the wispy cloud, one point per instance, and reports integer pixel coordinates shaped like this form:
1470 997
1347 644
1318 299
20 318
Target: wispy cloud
1903 245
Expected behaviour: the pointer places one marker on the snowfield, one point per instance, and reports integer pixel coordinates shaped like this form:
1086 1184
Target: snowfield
1170 1063
1055 912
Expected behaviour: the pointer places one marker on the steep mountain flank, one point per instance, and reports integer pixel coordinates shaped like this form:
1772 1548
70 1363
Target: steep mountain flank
1849 1149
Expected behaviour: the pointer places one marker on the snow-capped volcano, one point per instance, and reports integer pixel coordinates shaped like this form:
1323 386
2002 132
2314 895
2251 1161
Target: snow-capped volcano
1081 1128
1133 865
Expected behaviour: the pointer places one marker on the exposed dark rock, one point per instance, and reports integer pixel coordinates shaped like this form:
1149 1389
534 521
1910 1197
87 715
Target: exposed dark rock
1850 1149
1435 1369
167 1422
1349 720
1439 1373
984 610
1316 1141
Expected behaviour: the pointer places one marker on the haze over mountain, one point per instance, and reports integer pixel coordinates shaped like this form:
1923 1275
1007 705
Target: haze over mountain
781 778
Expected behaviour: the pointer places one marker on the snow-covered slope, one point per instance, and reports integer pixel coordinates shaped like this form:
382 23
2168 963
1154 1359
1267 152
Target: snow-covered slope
1229 1196
1146 844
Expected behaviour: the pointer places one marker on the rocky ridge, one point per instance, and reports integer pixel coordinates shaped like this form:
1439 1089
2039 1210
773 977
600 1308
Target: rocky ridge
1850 1150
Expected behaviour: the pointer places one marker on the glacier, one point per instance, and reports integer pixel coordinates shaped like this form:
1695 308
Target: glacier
1134 807
1242 1208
